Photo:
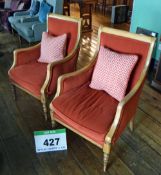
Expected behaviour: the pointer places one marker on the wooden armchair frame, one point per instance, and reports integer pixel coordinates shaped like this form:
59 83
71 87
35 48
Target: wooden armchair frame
18 59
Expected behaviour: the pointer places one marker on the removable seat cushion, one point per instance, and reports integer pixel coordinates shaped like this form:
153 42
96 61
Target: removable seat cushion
87 110
30 76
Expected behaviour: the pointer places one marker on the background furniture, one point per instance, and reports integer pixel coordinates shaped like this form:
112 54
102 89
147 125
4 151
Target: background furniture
31 28
19 16
66 8
86 7
16 5
156 83
40 79
93 114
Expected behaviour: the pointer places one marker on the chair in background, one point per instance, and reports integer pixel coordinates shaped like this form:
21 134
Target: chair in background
9 9
30 13
66 8
94 114
40 79
31 28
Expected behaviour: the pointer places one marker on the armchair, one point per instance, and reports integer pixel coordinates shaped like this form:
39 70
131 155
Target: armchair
31 28
40 79
20 15
94 114
15 6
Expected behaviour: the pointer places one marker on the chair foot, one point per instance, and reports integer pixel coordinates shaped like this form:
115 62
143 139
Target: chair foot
131 125
53 122
45 110
13 88
106 150
105 161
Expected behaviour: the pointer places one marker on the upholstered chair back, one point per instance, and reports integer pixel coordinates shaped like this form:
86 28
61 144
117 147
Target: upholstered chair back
71 28
132 46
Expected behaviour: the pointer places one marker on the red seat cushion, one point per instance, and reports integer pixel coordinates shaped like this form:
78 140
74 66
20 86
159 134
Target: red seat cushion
30 76
87 110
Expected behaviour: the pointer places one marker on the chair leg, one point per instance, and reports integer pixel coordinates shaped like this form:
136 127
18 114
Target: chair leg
44 109
43 101
106 150
131 125
53 122
13 88
20 41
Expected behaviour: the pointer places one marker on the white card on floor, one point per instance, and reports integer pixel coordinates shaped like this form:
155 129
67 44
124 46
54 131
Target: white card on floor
50 140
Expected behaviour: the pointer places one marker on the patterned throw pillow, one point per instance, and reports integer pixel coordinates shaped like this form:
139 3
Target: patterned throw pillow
112 72
52 48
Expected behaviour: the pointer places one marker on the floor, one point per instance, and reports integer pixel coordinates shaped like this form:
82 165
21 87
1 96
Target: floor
137 153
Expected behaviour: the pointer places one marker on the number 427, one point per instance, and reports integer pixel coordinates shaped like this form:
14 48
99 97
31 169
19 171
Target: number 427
51 142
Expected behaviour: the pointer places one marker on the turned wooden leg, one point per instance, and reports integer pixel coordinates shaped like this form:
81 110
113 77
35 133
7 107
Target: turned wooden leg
131 125
106 150
44 109
13 88
53 122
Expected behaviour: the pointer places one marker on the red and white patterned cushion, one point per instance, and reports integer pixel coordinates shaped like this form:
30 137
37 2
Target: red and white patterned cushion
52 48
112 72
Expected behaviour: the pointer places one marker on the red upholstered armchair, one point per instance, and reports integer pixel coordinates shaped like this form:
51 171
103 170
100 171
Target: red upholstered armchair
94 114
40 79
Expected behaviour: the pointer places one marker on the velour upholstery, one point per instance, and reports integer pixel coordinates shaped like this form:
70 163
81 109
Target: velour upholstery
15 6
71 107
112 72
40 79
44 10
33 80
94 114
34 9
34 24
71 29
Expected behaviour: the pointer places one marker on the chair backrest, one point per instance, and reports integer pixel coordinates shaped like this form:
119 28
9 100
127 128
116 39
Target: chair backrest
34 0
58 25
57 5
14 4
130 43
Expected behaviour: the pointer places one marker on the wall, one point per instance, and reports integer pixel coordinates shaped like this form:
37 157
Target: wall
147 14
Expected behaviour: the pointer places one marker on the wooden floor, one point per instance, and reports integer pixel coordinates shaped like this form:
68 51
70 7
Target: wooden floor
136 153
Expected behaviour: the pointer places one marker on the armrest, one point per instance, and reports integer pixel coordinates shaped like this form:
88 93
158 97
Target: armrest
26 55
11 12
30 19
75 79
38 28
125 112
22 13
